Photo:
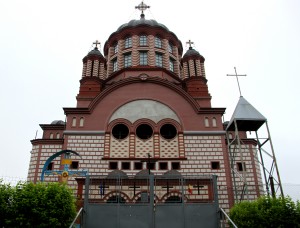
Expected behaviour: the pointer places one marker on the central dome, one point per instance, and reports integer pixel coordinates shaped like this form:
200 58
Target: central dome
142 21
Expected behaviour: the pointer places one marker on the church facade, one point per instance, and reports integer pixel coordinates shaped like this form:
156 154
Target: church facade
144 99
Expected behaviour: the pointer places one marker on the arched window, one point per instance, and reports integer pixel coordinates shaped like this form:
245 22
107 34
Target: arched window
158 43
206 122
230 136
81 122
51 135
143 40
74 122
128 42
57 135
170 47
143 58
116 48
115 64
127 60
214 122
171 65
158 59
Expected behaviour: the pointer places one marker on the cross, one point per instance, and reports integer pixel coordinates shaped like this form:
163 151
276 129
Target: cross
168 187
198 187
142 6
96 43
237 79
66 162
102 188
134 187
190 43
149 161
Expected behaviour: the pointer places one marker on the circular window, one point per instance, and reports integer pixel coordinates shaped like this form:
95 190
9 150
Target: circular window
144 131
168 131
120 131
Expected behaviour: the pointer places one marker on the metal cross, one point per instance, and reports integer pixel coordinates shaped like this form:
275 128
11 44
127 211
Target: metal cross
190 43
96 43
237 79
142 6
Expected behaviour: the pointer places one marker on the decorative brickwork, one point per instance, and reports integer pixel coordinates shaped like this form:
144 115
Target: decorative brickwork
119 148
169 148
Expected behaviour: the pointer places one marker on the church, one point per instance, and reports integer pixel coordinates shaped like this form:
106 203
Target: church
144 108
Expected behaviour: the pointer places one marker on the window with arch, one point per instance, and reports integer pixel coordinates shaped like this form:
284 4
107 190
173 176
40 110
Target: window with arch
116 47
230 136
158 43
143 58
170 47
214 122
158 59
74 122
143 40
127 60
144 131
57 135
115 65
51 135
168 131
120 131
206 122
81 122
171 64
128 42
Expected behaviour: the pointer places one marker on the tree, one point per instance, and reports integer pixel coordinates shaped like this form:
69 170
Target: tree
37 205
266 212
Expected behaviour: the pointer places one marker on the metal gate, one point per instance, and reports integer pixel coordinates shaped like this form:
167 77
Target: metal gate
150 202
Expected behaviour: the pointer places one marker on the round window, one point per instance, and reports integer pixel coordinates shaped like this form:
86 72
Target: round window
120 131
168 131
144 131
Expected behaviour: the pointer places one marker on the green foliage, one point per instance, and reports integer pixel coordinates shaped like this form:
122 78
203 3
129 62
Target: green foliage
266 212
36 205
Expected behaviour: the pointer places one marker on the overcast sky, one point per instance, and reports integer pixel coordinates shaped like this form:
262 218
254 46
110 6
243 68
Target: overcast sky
42 44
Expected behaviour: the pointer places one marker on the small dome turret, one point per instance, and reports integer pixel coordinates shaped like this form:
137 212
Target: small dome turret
94 64
192 63
192 53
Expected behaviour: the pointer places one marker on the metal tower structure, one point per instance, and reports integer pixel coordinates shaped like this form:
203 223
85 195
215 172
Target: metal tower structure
247 119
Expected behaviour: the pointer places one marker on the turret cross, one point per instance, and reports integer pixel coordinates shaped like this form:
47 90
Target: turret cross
190 43
96 43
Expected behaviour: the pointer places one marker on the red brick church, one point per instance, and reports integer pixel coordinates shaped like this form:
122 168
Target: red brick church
144 98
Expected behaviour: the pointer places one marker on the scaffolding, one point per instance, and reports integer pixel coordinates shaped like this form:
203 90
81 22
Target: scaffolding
247 119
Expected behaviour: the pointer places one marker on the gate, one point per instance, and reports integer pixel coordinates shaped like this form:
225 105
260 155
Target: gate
150 201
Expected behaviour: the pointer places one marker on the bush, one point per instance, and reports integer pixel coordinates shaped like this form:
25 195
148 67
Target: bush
266 212
36 205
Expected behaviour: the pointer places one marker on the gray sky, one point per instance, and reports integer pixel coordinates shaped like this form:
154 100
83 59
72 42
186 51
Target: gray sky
42 44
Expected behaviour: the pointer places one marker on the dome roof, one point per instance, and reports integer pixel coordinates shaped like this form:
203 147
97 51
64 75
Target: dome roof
142 21
192 52
58 122
95 51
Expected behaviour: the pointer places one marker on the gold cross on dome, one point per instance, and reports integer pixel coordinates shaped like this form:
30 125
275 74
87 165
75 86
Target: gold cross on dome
96 43
190 43
142 6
